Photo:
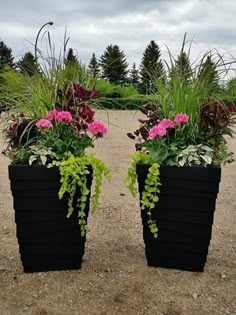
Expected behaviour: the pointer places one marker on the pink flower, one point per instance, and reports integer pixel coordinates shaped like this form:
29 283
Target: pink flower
44 123
157 131
181 118
52 114
96 127
166 123
64 116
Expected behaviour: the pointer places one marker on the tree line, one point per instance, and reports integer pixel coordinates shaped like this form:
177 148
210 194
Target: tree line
113 66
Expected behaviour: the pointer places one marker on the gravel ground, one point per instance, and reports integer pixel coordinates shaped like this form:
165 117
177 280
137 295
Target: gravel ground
114 278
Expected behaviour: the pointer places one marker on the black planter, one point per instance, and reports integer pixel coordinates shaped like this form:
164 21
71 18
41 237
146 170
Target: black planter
48 240
184 216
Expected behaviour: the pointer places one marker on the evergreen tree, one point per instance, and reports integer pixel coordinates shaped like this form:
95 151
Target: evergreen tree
181 67
134 75
71 58
94 66
208 74
114 65
231 88
28 64
151 67
1 79
6 55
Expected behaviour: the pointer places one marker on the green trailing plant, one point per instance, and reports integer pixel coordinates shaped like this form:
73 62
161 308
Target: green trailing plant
74 171
150 193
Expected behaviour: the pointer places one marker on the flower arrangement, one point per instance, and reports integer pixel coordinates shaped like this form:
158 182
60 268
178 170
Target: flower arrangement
185 126
165 141
60 138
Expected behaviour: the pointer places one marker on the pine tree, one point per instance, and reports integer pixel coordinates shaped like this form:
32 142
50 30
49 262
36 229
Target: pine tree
6 55
28 64
181 68
1 78
134 75
231 88
208 74
114 65
94 66
71 58
151 67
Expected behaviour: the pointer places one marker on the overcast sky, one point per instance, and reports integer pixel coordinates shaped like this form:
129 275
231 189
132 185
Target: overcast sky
131 24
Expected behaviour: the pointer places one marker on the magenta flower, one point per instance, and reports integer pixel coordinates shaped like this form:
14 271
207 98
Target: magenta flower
64 116
97 128
157 131
52 114
166 123
44 123
181 118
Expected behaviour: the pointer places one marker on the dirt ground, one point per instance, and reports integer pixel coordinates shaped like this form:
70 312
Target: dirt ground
114 278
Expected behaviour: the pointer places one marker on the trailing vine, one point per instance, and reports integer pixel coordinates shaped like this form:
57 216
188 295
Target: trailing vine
74 171
150 193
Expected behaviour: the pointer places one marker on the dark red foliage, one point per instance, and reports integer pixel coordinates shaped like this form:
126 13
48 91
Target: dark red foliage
231 107
131 136
83 117
77 98
153 118
19 131
73 99
87 113
216 118
83 94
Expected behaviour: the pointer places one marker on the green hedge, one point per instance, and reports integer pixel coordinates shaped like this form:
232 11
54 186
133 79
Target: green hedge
122 103
130 103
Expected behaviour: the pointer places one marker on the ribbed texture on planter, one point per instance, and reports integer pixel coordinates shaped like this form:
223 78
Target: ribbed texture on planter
184 215
48 240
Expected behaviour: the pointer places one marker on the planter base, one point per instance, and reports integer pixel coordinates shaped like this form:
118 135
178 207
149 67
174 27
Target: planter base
184 216
48 240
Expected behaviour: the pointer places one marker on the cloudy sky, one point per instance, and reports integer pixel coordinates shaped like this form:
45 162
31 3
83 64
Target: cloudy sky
131 24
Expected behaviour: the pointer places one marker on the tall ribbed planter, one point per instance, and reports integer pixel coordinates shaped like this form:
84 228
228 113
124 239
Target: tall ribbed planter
48 240
184 216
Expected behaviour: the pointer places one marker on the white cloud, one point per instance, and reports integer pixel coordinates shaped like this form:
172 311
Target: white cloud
92 25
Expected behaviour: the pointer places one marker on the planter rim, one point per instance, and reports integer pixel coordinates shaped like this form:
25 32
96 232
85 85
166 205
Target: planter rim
41 172
181 167
208 174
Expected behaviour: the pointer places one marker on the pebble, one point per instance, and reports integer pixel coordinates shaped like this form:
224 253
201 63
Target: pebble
195 296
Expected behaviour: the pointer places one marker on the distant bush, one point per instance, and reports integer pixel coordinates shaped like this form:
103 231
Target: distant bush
126 91
130 103
106 89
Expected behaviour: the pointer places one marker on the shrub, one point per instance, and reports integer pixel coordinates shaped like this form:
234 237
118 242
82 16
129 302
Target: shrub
125 103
